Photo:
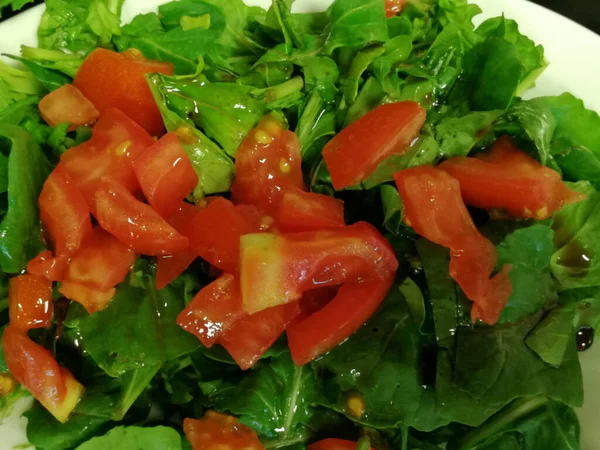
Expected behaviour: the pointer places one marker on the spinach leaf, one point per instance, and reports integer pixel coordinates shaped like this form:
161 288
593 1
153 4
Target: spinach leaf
576 262
28 168
135 438
551 337
355 23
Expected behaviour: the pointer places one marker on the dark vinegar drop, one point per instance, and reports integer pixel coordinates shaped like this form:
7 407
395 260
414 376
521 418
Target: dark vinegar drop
585 338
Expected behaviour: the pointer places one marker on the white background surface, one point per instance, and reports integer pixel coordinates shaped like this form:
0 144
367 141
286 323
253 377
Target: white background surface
574 55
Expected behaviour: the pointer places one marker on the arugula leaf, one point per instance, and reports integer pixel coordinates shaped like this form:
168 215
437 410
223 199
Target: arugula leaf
355 23
315 127
369 97
360 63
28 168
54 60
458 135
50 79
135 438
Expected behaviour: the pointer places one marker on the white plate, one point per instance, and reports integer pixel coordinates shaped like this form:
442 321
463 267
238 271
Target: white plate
571 50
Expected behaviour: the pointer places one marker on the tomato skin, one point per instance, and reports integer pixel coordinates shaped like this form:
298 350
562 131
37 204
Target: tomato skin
307 211
213 310
215 233
433 206
68 104
110 79
165 174
64 212
267 163
353 305
102 263
354 153
217 431
30 302
394 7
252 335
91 299
134 223
276 269
333 444
508 179
48 266
116 142
34 367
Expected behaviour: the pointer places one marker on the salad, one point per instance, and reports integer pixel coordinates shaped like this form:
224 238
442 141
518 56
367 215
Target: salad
223 227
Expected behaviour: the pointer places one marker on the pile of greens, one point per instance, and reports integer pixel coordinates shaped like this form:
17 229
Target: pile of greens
426 376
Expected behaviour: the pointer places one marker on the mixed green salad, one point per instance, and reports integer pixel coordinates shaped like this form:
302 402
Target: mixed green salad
420 374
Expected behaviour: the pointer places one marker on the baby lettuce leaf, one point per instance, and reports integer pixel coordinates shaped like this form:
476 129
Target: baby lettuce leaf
552 336
28 168
135 438
355 23
576 262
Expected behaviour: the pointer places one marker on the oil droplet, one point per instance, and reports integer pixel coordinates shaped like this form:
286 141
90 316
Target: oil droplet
585 338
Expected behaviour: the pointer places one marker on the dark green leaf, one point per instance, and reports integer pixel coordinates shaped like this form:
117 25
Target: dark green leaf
135 438
316 125
458 135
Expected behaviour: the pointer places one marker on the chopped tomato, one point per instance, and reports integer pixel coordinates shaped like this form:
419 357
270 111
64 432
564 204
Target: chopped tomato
30 302
102 263
315 300
118 79
116 142
508 179
354 154
353 305
215 232
434 208
267 163
217 431
394 7
34 367
68 104
278 269
251 336
213 310
64 213
333 444
307 211
166 174
91 299
134 223
48 266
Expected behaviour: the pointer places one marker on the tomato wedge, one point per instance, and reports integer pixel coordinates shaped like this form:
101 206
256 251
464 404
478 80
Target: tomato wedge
64 213
134 223
394 7
277 269
354 153
109 79
34 367
91 299
251 336
48 266
333 444
220 431
166 174
353 305
267 163
213 310
508 179
215 233
116 142
68 104
307 211
433 206
30 302
102 263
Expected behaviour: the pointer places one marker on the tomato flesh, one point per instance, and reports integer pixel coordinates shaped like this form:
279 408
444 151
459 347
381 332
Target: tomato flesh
277 269
216 431
48 266
354 153
34 367
68 104
433 206
30 302
64 213
508 179
267 163
91 299
102 263
110 79
307 211
134 223
353 305
394 7
333 444
165 174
